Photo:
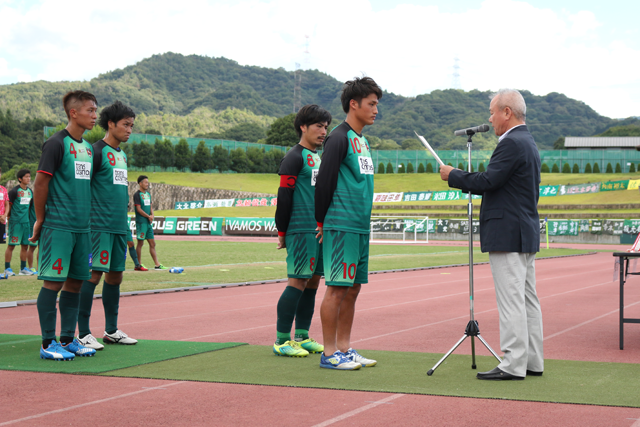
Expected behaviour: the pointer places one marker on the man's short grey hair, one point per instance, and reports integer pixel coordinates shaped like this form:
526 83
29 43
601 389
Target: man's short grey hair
513 99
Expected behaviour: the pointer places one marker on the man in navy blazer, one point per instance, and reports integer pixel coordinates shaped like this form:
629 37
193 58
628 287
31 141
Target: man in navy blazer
510 232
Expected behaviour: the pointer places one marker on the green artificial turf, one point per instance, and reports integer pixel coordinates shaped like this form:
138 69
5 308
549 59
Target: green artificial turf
21 353
595 383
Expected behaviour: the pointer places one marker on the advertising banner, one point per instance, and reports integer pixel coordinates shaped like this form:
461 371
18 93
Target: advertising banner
199 204
595 225
563 227
614 185
387 197
613 226
578 189
250 226
445 196
548 190
257 201
202 226
418 196
634 184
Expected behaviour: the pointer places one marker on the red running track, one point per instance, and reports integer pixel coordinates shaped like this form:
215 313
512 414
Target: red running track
423 311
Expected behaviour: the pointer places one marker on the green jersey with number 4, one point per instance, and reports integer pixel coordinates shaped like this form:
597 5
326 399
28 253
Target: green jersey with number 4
109 189
69 163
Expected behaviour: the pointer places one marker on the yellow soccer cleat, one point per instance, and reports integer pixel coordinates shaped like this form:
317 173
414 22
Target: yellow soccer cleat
290 349
311 345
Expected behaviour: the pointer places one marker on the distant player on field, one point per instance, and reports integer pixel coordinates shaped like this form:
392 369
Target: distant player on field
18 213
296 232
4 208
344 197
62 199
109 226
132 250
144 221
32 245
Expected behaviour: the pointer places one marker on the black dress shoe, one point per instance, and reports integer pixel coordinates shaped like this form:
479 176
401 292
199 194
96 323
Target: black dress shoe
497 374
534 373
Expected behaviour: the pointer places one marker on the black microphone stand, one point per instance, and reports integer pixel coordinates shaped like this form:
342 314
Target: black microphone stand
472 329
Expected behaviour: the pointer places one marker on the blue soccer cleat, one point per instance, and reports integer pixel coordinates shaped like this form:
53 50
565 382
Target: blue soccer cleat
338 360
9 272
78 349
55 352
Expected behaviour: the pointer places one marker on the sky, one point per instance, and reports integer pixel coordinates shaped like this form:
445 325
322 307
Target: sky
589 50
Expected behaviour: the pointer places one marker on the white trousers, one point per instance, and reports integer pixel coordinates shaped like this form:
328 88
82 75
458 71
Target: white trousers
514 276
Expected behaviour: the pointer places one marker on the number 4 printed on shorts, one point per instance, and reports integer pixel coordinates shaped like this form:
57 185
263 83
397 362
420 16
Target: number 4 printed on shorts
58 266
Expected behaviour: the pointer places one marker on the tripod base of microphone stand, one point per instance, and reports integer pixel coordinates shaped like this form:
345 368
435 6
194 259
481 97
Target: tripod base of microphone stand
472 331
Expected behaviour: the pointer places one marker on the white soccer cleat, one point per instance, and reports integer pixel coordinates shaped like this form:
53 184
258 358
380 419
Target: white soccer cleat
118 337
91 342
354 356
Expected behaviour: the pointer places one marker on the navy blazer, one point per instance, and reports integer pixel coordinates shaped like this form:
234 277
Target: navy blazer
509 219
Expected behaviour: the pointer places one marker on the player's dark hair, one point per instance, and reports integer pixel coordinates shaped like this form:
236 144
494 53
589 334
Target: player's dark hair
22 172
75 96
358 88
310 115
142 178
114 113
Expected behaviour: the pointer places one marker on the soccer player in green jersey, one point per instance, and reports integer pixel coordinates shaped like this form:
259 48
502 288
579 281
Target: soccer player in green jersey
144 220
109 226
62 199
296 232
19 200
344 197
32 245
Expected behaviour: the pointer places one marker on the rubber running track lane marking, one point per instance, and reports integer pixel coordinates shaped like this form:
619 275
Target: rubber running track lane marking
71 408
358 411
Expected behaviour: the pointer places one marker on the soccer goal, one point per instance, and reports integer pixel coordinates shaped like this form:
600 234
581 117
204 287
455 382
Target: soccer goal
408 229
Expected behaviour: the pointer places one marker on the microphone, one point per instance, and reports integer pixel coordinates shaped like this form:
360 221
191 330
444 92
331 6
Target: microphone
471 131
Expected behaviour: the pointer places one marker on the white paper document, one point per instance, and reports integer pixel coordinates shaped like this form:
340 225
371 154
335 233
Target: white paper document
426 144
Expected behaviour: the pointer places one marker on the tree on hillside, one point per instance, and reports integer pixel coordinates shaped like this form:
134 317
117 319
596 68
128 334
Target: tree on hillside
618 168
559 144
182 155
544 168
282 132
201 158
587 168
609 168
142 154
576 168
256 158
421 168
555 168
272 159
249 132
239 161
220 157
409 168
164 153
389 168
566 168
429 168
381 168
412 144
481 167
632 168
596 167
401 168
94 135
152 131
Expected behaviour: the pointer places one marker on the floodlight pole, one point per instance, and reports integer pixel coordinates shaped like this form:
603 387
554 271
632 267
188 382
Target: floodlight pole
472 329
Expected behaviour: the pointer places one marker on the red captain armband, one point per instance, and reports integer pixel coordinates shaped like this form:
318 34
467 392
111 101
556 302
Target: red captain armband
48 173
288 181
282 233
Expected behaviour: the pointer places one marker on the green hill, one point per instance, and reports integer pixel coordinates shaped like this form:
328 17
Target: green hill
170 86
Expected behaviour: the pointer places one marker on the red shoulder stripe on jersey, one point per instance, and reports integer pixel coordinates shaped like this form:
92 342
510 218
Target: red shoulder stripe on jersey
50 174
288 181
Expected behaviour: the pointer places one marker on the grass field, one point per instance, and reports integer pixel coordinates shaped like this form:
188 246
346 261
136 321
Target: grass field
232 262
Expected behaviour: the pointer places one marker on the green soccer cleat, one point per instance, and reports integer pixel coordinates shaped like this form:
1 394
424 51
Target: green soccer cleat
290 349
161 267
311 345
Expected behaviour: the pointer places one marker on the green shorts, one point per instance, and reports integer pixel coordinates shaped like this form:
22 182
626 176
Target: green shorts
304 256
18 233
109 251
347 256
31 234
64 254
144 230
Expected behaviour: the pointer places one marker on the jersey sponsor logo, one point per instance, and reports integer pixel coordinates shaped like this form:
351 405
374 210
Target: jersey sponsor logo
1 195
314 177
83 170
25 200
146 202
120 176
366 165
